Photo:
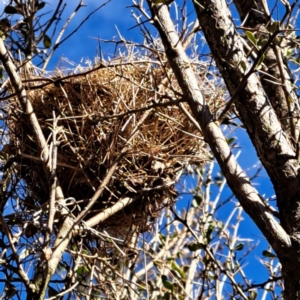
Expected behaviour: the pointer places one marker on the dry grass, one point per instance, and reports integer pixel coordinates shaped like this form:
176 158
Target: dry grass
97 114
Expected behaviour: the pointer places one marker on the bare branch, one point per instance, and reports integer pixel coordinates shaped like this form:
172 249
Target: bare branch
24 101
236 178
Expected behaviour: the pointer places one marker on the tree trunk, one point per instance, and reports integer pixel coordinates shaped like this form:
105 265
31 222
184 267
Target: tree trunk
273 144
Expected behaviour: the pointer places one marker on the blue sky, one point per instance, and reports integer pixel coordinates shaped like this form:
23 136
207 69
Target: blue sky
101 25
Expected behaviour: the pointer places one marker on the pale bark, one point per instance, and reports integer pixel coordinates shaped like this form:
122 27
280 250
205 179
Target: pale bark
235 176
272 142
43 149
272 138
278 86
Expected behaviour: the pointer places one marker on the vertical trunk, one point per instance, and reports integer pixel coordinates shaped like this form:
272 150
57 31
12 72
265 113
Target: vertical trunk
267 133
291 273
256 16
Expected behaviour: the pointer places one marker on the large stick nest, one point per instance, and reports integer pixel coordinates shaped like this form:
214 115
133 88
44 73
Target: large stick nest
97 114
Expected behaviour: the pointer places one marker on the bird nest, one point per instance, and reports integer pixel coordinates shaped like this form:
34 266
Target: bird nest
125 113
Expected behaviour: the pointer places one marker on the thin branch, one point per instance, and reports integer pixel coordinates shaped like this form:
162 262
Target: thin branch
57 296
262 285
29 285
24 101
61 31
62 241
244 81
57 44
111 171
211 256
54 180
105 214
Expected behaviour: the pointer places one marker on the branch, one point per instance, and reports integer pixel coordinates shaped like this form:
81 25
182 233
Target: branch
24 101
210 254
54 179
105 214
273 145
246 76
282 96
263 284
58 42
236 178
20 269
62 241
111 170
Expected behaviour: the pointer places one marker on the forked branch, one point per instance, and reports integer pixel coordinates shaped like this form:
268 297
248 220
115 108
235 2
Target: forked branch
236 178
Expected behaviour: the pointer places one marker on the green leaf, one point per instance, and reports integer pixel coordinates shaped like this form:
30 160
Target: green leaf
267 253
252 295
197 200
82 271
166 283
228 265
261 43
52 292
47 41
194 247
239 247
260 60
209 231
167 296
243 65
274 26
162 239
2 35
186 269
251 37
1 73
230 140
178 270
157 264
211 275
10 10
288 52
174 235
41 5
